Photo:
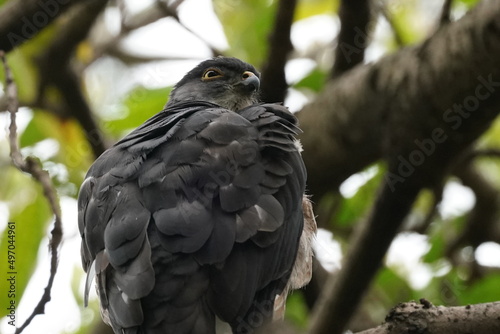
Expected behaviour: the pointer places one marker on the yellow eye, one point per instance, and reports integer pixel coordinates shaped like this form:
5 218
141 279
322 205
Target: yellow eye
211 73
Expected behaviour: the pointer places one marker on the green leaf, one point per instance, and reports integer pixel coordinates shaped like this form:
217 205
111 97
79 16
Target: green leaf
310 8
441 234
351 209
74 151
247 24
468 3
296 309
484 290
26 233
313 81
405 21
140 104
42 126
391 287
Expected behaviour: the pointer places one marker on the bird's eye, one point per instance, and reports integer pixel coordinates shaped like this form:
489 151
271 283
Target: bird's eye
211 73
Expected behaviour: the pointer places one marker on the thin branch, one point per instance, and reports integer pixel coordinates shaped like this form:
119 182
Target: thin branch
315 287
171 10
353 36
344 290
122 8
445 12
33 167
437 197
487 152
274 85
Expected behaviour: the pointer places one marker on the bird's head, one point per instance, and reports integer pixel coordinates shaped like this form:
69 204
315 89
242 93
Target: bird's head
227 82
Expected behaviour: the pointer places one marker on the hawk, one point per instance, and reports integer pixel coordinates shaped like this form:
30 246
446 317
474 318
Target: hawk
198 214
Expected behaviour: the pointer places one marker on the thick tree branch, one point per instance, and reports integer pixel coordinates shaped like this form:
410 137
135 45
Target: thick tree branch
417 318
32 166
353 36
375 109
390 110
274 85
21 20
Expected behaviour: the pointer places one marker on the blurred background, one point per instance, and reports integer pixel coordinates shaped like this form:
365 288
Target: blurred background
125 68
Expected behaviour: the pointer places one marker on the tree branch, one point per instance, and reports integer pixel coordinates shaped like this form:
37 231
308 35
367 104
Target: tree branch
481 222
22 20
32 166
171 10
390 110
353 36
55 69
344 290
416 318
395 31
274 85
445 12
374 110
437 197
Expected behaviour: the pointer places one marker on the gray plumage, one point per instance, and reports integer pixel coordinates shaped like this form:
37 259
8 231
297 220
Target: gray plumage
197 213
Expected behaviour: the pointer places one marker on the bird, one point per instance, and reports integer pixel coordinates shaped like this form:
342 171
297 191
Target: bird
199 215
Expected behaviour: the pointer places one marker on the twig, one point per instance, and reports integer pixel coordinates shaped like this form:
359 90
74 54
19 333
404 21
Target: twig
171 10
353 36
445 12
122 8
274 85
34 168
437 193
482 219
487 152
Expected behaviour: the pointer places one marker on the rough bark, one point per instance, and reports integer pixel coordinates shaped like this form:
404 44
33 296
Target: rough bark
418 110
381 110
417 318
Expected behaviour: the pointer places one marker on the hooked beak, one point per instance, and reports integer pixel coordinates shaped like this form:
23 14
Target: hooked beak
249 82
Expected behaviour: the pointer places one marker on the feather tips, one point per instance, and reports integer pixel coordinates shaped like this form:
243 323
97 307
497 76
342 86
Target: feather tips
222 187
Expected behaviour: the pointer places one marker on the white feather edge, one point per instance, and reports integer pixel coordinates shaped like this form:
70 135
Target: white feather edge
88 283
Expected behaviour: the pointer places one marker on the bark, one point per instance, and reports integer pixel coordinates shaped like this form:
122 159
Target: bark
22 20
390 108
416 318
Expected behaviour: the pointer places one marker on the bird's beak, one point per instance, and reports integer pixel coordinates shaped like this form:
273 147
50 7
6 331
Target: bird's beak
249 82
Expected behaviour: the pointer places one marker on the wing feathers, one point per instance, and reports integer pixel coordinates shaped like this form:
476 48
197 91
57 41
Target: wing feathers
220 189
